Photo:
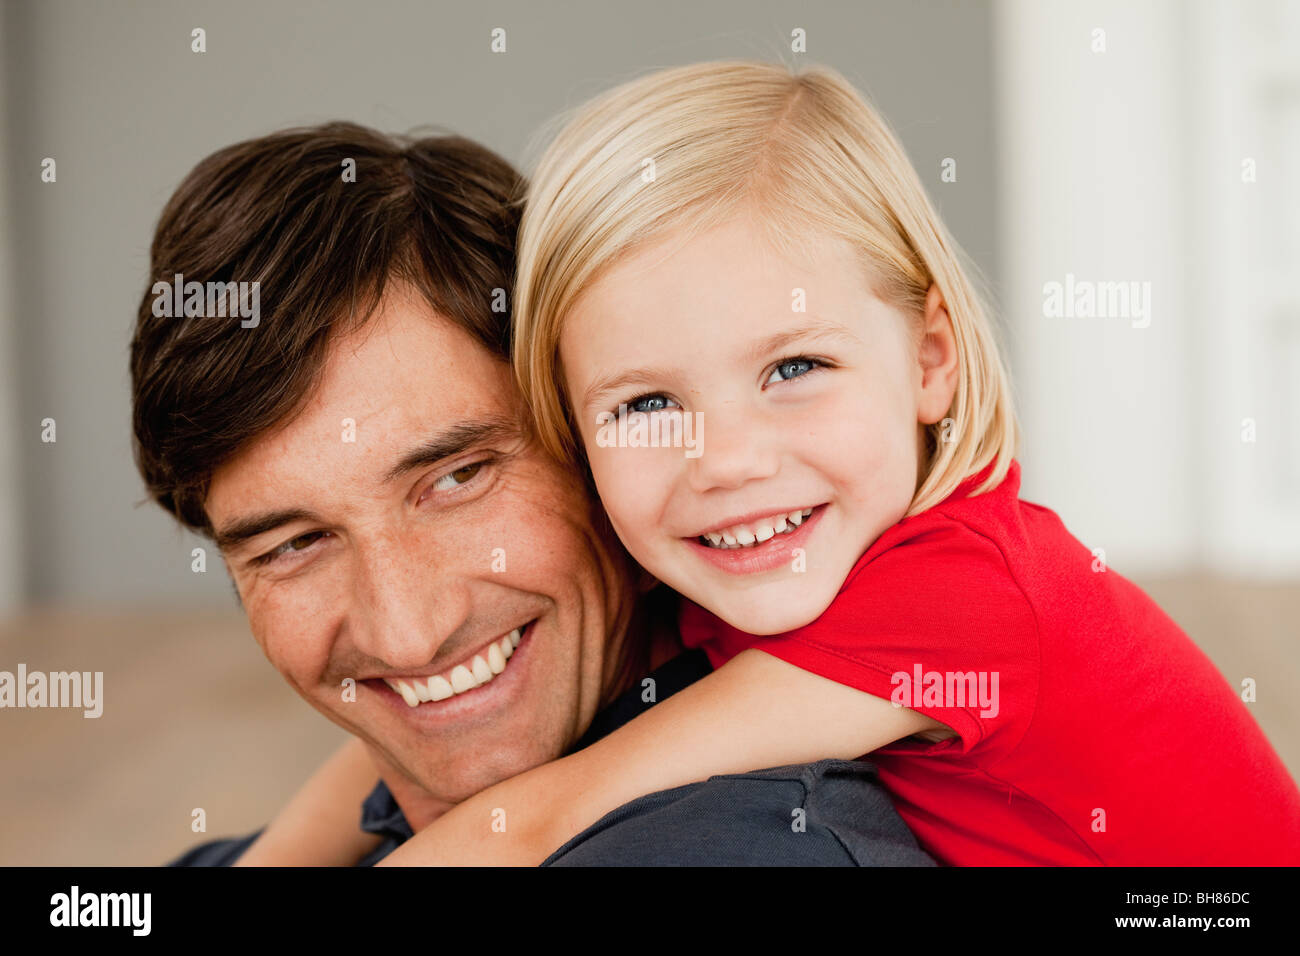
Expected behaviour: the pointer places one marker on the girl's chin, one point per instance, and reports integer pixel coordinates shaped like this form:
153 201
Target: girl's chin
774 613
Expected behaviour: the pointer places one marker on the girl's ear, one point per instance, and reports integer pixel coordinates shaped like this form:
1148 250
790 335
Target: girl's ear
938 360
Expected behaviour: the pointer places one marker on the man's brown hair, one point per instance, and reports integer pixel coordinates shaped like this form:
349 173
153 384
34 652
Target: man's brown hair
322 239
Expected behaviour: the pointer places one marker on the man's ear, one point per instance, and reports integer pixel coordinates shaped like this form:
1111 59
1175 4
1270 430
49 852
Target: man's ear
938 360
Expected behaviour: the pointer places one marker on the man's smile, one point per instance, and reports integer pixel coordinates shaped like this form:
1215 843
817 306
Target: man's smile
479 698
484 665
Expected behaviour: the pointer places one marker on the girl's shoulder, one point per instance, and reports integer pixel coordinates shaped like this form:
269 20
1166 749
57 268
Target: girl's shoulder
971 536
991 537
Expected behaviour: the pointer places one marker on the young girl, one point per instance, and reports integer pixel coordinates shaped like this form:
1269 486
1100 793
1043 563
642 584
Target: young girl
738 309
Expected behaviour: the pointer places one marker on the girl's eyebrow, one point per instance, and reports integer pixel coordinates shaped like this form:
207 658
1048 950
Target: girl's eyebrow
598 390
615 381
817 328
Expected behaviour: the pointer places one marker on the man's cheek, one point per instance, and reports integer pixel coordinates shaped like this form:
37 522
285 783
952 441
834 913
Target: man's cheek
295 639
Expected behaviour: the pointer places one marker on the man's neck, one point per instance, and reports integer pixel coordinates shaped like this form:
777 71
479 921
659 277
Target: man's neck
416 803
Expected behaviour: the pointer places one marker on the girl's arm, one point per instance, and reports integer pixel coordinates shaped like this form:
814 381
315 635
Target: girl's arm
755 711
320 825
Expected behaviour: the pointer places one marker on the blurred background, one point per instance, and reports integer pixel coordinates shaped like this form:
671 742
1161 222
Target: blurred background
1113 142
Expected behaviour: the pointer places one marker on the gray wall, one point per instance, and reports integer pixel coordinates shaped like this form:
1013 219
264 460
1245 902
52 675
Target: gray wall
112 92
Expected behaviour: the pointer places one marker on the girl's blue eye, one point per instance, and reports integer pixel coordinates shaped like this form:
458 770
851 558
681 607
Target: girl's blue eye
791 368
650 403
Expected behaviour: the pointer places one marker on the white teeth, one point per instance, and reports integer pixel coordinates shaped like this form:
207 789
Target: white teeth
440 688
408 695
744 536
416 691
462 680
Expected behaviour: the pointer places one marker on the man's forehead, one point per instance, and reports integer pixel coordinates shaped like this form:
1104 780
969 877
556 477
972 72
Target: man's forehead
404 377
405 346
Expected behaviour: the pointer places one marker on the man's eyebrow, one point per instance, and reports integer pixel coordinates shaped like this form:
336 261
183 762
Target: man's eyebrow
615 381
447 443
455 440
240 530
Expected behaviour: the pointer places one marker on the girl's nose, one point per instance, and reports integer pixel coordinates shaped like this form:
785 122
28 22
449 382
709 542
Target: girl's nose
738 448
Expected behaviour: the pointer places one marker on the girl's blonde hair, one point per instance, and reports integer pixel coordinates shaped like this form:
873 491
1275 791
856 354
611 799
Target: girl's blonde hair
690 147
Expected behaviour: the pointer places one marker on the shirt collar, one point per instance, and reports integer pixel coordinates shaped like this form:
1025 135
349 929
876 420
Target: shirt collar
380 814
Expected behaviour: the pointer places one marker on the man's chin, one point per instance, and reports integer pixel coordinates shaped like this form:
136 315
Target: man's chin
425 788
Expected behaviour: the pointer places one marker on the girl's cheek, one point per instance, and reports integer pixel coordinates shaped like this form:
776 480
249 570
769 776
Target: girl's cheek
852 434
632 486
610 474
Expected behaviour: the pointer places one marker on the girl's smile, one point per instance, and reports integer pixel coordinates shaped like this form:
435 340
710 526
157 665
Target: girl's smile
762 545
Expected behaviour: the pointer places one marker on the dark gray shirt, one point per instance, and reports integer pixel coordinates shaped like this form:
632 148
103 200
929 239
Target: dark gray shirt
828 813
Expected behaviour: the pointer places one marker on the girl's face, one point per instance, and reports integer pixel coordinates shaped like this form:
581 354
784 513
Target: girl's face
803 397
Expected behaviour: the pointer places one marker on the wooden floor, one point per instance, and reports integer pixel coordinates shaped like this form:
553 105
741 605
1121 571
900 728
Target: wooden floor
195 717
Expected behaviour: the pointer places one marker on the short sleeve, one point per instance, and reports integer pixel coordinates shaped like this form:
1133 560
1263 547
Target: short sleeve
932 620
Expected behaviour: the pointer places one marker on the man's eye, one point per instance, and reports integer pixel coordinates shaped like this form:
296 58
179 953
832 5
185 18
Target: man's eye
300 543
651 403
462 475
792 368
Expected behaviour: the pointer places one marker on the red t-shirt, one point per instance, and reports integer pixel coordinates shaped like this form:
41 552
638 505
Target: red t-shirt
1108 736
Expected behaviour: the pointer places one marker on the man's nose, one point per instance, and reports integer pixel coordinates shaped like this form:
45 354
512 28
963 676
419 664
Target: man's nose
405 602
739 446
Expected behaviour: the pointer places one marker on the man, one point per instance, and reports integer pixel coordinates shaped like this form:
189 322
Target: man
359 454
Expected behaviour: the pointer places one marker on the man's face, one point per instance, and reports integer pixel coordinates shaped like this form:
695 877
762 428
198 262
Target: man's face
401 526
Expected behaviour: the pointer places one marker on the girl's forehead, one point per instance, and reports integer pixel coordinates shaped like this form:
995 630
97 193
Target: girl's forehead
734 255
719 297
